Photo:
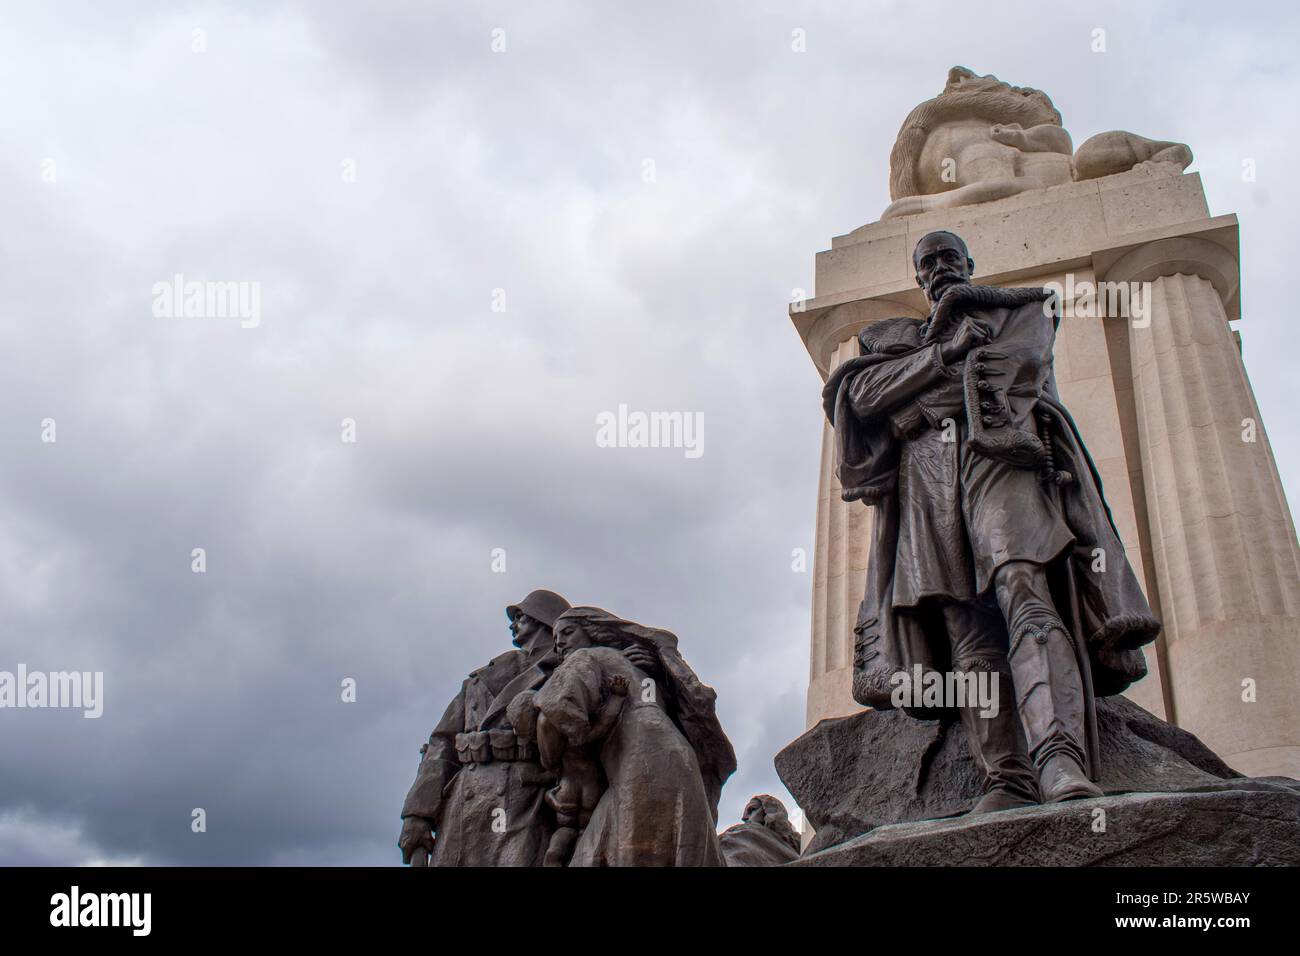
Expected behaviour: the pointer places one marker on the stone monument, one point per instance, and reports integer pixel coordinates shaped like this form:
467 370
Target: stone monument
1145 361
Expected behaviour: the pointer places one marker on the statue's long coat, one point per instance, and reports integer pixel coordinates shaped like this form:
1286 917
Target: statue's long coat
901 392
464 800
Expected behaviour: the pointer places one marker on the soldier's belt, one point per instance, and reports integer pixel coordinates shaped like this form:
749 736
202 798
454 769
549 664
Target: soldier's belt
485 746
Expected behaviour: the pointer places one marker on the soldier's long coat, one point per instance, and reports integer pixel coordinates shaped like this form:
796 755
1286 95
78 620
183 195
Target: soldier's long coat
888 408
465 800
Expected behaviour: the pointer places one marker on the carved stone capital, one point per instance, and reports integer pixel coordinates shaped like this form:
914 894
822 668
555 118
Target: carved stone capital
1179 255
843 322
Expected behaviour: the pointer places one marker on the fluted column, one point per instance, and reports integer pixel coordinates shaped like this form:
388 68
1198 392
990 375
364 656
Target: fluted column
839 579
843 538
1223 542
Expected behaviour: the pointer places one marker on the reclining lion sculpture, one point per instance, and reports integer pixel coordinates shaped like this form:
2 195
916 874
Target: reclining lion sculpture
982 139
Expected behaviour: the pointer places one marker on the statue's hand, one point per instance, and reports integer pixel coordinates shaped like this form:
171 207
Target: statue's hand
1008 134
417 832
642 657
969 335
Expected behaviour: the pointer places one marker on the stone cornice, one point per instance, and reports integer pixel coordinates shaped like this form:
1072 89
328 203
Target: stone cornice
866 276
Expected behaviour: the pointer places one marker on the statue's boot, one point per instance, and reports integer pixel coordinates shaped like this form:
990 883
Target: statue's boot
1052 709
1062 778
998 746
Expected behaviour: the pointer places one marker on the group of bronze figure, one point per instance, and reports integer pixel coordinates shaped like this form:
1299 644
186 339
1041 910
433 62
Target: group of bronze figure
592 744
595 744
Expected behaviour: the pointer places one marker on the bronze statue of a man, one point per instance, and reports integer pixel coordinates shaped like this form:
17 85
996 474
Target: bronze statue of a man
994 549
478 796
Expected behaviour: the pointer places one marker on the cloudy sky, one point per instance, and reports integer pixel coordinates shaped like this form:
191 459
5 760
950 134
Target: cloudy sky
379 171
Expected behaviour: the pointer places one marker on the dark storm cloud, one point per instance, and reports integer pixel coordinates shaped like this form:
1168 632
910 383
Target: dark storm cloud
519 171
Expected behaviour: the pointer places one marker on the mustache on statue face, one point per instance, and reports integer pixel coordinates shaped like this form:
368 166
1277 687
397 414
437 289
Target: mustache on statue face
941 278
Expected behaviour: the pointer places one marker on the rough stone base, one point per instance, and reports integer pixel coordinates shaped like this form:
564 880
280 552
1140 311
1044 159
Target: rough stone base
852 774
1258 827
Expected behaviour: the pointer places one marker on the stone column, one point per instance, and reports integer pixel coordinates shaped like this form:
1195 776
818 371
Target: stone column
844 530
1224 547
839 579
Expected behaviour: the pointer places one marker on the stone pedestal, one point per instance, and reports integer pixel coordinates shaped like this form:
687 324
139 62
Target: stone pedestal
1227 828
1162 408
882 788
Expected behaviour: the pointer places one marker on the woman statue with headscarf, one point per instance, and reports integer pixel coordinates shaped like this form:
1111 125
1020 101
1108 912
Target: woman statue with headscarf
635 739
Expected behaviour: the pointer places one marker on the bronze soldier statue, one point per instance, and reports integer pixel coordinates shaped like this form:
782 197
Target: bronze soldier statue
478 795
993 548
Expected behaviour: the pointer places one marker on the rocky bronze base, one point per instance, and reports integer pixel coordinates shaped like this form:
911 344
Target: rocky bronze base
874 768
1229 827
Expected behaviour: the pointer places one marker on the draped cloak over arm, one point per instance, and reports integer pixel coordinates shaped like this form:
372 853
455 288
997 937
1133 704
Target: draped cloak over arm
859 399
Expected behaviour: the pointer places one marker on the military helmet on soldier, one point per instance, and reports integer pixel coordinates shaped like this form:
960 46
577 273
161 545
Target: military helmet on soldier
540 605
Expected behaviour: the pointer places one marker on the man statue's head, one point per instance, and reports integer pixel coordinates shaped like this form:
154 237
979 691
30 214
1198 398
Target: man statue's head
941 259
532 619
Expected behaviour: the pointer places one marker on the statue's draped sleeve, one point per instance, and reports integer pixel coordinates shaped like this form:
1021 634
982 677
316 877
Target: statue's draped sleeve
860 399
878 388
